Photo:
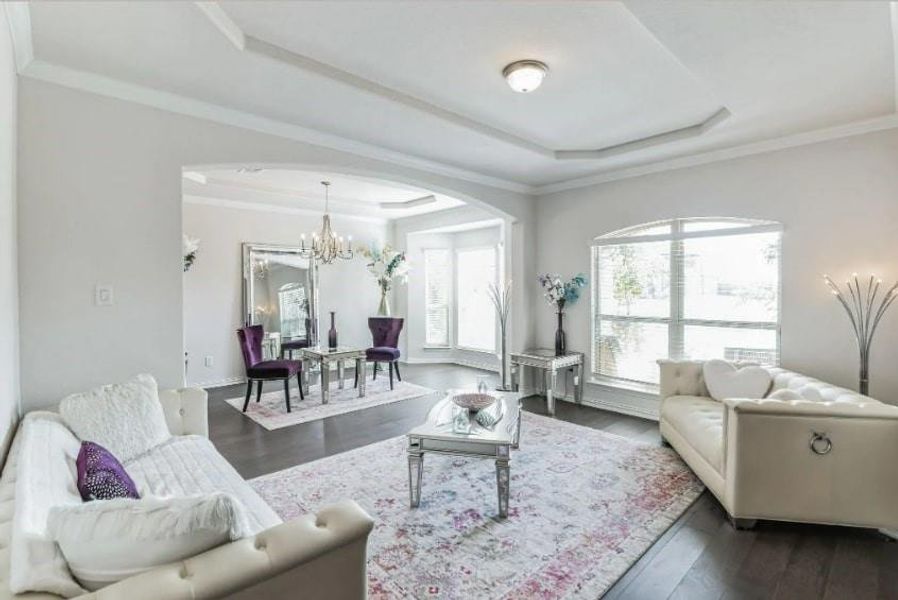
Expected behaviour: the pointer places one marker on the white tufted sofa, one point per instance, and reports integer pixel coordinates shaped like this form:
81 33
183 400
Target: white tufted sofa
756 455
313 557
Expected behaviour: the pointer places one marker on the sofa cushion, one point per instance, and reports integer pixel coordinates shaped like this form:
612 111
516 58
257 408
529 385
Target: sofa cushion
45 477
125 418
785 394
726 380
698 419
101 476
190 465
109 540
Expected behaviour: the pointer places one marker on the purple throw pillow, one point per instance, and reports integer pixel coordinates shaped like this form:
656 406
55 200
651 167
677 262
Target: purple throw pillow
101 476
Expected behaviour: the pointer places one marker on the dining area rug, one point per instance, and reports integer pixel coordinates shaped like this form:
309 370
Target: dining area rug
584 506
271 411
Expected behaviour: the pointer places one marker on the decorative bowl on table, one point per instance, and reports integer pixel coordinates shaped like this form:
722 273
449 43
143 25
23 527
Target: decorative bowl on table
473 401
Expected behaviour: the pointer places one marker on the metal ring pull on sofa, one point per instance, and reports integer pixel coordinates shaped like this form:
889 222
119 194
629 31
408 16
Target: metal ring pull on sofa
821 444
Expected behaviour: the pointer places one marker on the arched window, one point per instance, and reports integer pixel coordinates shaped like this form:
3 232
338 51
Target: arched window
685 289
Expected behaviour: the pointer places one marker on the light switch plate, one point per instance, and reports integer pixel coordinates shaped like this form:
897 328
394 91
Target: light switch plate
104 294
209 361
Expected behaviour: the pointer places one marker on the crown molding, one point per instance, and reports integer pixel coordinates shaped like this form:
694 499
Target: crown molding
272 208
18 17
122 90
893 14
805 138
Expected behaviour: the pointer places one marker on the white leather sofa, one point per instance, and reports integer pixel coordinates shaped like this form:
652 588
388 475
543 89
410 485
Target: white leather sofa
830 458
313 557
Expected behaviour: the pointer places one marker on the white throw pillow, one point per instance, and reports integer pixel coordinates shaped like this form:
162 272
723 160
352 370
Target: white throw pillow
724 380
125 418
105 541
45 477
786 394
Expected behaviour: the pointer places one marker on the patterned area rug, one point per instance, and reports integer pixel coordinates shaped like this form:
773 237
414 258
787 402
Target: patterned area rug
584 506
271 411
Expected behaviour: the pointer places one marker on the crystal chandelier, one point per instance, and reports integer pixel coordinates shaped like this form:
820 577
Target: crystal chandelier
326 246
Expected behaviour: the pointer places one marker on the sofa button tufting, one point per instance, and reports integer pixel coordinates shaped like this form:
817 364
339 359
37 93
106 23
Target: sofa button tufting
260 545
184 574
181 411
320 523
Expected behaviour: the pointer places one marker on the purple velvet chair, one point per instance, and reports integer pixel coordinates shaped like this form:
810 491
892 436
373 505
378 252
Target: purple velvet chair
385 332
260 371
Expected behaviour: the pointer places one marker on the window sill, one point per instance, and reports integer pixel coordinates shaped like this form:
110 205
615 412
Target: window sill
627 386
478 350
436 347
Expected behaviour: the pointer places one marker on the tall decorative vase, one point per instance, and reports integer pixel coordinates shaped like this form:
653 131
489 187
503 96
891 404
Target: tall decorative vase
332 334
384 309
559 335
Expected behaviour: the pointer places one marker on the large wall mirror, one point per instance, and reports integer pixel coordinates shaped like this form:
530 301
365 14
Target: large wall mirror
280 291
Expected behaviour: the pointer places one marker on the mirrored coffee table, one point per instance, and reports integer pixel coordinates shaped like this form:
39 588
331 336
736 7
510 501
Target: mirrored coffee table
449 429
325 357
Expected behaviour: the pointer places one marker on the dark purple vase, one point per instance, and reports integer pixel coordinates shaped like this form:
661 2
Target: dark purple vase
332 334
559 335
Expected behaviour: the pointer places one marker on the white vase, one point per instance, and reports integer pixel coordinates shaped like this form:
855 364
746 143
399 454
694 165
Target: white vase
383 310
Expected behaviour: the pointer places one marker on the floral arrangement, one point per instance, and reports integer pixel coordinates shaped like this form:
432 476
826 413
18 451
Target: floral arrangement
189 248
561 293
386 265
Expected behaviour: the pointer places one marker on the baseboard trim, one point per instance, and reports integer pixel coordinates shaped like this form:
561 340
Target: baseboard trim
461 362
618 405
218 383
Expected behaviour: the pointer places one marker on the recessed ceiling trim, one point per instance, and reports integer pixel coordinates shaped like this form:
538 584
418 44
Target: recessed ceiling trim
889 121
275 208
130 92
414 203
251 44
654 140
225 24
19 17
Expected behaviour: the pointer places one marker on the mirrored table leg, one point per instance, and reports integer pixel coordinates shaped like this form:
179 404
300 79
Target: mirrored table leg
415 474
325 382
503 483
360 366
340 374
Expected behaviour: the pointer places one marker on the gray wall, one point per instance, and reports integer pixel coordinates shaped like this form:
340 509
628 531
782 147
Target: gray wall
9 331
100 202
837 200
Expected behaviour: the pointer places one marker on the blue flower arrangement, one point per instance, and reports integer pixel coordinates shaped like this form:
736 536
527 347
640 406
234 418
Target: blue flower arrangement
561 293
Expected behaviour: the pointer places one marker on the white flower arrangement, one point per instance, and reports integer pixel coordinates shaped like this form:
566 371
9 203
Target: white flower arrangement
386 265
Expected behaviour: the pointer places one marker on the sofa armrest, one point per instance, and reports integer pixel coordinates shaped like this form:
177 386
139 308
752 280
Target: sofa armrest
809 408
315 556
186 411
817 462
681 378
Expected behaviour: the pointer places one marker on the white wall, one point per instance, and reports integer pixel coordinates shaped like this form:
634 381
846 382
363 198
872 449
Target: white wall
416 243
100 202
838 202
9 333
213 293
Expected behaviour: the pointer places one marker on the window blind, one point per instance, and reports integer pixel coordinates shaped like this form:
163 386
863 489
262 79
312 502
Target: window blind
437 289
476 317
685 289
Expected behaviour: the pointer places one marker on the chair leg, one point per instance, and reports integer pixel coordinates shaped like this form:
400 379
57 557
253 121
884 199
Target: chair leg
375 370
299 380
249 391
396 366
391 375
356 379
259 390
287 392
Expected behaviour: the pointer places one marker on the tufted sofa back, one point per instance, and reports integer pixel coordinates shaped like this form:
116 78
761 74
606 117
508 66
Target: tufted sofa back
685 378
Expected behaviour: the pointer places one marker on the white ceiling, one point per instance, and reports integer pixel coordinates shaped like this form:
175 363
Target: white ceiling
291 189
423 79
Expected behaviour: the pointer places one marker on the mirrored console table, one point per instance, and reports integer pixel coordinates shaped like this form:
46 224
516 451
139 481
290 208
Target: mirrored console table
548 365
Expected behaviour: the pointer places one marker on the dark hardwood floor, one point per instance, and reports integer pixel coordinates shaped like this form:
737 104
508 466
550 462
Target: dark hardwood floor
700 556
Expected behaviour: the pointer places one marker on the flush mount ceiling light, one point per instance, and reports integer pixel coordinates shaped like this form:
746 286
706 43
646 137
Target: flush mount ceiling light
525 75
